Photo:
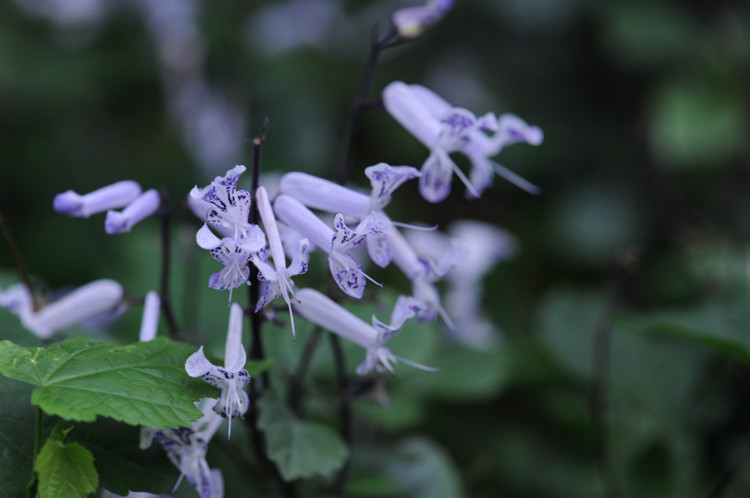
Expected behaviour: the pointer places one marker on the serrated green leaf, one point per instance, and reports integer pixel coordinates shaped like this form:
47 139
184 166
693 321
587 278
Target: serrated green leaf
17 419
299 448
65 471
140 384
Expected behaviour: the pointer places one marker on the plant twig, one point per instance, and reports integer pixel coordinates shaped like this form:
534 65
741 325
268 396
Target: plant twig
165 214
598 402
377 45
256 345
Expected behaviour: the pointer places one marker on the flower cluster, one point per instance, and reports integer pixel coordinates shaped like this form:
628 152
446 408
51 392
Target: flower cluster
349 226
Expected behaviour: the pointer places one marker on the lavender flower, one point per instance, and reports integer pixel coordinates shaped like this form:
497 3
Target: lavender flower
228 208
186 448
323 311
234 255
445 129
411 22
484 245
277 281
141 207
113 196
150 317
422 272
231 379
346 271
80 305
322 194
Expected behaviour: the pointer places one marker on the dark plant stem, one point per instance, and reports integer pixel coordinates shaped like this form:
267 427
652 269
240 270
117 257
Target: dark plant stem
34 482
598 403
360 103
256 345
345 411
165 214
23 275
256 323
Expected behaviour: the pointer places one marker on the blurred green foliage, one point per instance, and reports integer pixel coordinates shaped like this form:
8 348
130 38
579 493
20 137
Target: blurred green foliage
623 369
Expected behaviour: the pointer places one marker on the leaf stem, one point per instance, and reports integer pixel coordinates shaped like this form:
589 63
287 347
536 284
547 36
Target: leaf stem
34 482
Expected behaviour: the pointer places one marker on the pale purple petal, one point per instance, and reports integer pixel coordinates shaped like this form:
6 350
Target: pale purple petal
82 304
379 249
348 274
435 182
206 239
325 195
150 317
385 179
112 196
142 207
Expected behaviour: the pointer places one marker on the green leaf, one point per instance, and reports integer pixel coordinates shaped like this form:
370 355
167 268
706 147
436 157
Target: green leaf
719 324
299 448
65 471
567 324
140 384
424 469
17 418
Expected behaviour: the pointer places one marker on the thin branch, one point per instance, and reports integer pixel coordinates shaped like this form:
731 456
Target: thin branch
345 411
165 214
598 395
256 345
360 103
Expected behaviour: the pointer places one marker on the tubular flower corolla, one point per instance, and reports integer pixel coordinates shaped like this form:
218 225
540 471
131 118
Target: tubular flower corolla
445 129
113 196
323 311
345 270
277 280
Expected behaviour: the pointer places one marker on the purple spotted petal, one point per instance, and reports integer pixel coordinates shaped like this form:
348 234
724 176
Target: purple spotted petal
435 182
379 249
347 273
385 179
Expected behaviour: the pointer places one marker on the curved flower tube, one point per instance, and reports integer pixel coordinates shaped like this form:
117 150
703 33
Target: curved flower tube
323 311
113 196
140 208
345 270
